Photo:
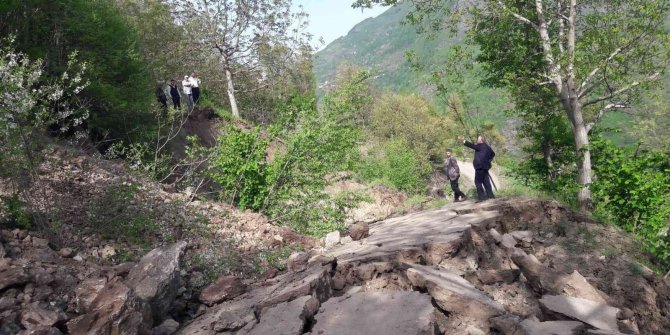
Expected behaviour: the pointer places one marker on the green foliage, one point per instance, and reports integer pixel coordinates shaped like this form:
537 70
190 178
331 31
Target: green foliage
14 213
30 103
120 215
239 166
632 190
413 120
395 164
282 170
120 95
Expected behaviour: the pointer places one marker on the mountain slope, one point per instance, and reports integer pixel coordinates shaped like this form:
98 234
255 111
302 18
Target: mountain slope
380 44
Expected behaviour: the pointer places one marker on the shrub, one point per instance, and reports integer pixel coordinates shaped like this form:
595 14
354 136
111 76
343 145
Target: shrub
412 119
631 189
397 165
14 213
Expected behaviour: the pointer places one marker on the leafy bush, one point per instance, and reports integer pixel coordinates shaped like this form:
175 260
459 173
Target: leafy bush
412 119
309 146
397 165
631 189
14 213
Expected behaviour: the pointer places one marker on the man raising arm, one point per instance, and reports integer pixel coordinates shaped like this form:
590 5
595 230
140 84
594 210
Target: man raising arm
482 163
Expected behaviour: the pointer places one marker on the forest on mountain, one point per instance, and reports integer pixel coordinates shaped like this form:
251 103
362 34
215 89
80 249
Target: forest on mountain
573 99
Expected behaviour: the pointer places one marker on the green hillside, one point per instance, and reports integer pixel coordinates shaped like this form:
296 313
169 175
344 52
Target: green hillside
381 43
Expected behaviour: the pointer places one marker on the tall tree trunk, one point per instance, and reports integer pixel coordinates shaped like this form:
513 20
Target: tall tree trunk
231 94
547 151
582 145
230 87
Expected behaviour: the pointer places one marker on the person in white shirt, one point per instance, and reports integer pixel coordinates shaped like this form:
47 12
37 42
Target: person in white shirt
195 86
186 85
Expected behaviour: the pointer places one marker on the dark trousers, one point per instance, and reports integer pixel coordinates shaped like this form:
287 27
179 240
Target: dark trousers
163 100
176 101
196 94
483 184
457 191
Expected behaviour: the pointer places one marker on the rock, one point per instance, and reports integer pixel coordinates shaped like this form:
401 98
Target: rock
359 231
4 264
489 277
11 277
321 260
34 316
66 252
507 325
508 241
156 277
316 281
41 277
168 327
453 293
86 292
388 313
287 318
225 288
575 285
534 327
346 239
107 252
42 331
495 235
78 258
7 303
3 253
332 239
525 235
338 283
596 314
40 242
297 261
124 268
116 310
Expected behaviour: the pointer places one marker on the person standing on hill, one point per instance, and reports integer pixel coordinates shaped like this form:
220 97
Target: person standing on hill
454 173
195 87
482 163
160 94
174 93
186 86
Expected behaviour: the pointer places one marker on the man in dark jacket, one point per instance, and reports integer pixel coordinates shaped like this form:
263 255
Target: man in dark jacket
174 94
482 163
453 173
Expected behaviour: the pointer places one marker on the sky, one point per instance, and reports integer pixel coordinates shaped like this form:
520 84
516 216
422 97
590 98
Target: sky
331 19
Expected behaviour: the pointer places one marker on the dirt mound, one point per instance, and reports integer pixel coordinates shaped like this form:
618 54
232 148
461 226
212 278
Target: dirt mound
508 266
103 219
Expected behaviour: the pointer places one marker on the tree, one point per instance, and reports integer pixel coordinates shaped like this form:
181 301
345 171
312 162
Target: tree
121 93
241 32
595 55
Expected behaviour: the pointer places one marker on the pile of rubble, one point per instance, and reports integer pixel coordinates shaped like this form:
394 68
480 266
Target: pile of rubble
456 270
512 267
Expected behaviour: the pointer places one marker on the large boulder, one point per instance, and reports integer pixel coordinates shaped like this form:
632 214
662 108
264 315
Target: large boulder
225 288
388 313
156 278
116 310
598 315
11 277
453 293
87 291
359 231
287 318
35 316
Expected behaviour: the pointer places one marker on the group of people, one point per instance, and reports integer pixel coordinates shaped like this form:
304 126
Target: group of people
482 163
190 90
